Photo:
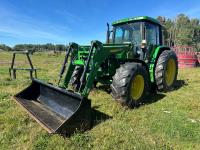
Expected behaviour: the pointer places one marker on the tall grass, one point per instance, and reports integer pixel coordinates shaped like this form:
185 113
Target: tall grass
170 121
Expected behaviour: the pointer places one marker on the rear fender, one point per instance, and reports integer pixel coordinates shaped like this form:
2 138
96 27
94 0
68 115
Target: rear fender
158 50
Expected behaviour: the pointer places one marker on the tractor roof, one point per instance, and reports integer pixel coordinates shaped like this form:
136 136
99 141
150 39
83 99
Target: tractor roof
142 18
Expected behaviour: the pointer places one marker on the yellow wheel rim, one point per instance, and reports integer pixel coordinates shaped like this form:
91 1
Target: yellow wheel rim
137 87
170 72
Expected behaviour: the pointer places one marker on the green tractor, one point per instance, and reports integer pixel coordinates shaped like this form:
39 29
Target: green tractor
132 61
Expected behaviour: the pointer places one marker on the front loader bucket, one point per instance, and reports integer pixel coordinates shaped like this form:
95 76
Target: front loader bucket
56 109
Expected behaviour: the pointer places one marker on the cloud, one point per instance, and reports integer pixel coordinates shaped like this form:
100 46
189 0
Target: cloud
17 25
193 12
67 16
29 33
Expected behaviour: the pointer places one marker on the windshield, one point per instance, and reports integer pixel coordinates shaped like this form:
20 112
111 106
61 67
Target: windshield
128 33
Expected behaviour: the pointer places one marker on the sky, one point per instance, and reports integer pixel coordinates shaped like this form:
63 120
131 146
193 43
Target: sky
80 21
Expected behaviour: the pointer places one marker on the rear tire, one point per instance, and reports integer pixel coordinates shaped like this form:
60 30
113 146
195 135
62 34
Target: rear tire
130 84
166 70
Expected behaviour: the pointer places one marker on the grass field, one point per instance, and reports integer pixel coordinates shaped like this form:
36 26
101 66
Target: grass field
170 121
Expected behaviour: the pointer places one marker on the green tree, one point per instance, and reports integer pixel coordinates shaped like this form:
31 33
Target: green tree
183 30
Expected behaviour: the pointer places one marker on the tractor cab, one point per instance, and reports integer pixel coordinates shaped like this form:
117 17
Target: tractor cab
139 31
143 32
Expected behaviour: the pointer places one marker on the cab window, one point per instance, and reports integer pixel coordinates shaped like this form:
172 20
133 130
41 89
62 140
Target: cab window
130 32
152 33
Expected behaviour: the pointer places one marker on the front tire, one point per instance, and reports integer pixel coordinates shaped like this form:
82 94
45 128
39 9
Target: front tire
75 80
166 70
130 84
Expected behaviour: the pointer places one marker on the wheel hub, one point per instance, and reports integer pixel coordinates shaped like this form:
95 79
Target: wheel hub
137 87
170 72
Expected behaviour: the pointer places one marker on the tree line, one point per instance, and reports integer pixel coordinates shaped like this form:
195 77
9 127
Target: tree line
34 47
177 32
181 31
40 47
5 47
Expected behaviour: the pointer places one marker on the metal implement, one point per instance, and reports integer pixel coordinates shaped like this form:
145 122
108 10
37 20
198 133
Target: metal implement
56 109
12 69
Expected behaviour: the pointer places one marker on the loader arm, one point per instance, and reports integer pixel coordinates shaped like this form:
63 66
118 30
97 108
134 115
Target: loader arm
73 50
98 53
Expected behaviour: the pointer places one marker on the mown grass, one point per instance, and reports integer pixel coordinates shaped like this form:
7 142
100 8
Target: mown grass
170 121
